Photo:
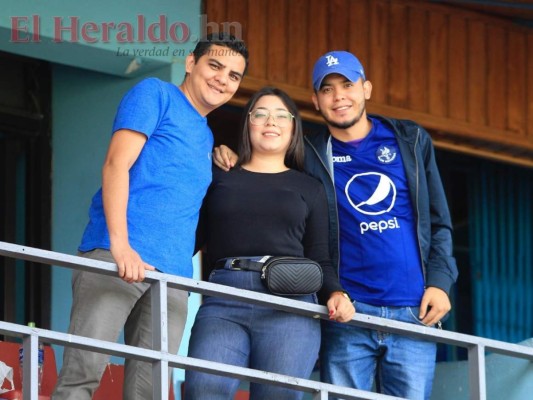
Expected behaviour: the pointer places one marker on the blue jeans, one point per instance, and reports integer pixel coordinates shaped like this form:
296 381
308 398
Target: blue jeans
247 335
401 366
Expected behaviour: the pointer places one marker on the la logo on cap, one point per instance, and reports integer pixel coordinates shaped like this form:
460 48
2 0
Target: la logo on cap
330 60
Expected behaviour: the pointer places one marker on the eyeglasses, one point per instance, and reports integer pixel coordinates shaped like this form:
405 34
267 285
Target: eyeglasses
280 117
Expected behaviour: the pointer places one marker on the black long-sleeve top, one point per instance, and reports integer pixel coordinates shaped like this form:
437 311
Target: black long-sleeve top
280 214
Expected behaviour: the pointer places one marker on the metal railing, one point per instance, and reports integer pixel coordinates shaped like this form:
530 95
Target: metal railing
161 359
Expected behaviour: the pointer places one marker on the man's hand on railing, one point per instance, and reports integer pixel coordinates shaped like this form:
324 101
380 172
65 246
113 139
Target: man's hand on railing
435 304
130 265
340 307
224 157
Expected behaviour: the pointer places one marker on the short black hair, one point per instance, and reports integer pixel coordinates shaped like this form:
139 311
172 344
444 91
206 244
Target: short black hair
223 39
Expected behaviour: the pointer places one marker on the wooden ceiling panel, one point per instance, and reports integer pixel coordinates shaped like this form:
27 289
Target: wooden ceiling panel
439 63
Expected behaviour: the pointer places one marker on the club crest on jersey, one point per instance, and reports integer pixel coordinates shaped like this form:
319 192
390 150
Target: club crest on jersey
386 154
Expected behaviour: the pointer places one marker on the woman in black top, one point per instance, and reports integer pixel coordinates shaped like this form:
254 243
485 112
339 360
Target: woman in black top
263 206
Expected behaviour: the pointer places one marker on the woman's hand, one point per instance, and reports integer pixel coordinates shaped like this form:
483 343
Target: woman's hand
340 307
224 158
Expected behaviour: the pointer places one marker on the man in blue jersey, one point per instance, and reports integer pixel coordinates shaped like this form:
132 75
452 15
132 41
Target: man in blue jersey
390 232
144 217
393 226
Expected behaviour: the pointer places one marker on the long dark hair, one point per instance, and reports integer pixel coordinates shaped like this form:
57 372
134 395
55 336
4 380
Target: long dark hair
294 157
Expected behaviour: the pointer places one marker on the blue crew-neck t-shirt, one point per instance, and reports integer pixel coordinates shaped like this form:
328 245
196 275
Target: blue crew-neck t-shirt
168 181
380 259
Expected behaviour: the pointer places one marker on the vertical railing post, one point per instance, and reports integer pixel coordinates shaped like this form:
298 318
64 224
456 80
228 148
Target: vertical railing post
322 395
160 376
30 383
476 372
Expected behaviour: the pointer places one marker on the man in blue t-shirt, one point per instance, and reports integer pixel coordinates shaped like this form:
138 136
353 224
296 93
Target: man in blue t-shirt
155 175
390 232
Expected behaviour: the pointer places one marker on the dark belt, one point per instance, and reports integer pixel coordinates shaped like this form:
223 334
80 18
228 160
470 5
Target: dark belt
242 263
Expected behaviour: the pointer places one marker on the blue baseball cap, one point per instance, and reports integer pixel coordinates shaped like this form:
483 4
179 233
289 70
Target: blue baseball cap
337 62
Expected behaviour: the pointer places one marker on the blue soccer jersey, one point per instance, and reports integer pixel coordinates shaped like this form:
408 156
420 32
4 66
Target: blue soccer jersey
380 260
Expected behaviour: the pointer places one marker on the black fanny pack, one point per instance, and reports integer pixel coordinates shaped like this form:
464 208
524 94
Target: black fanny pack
284 276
